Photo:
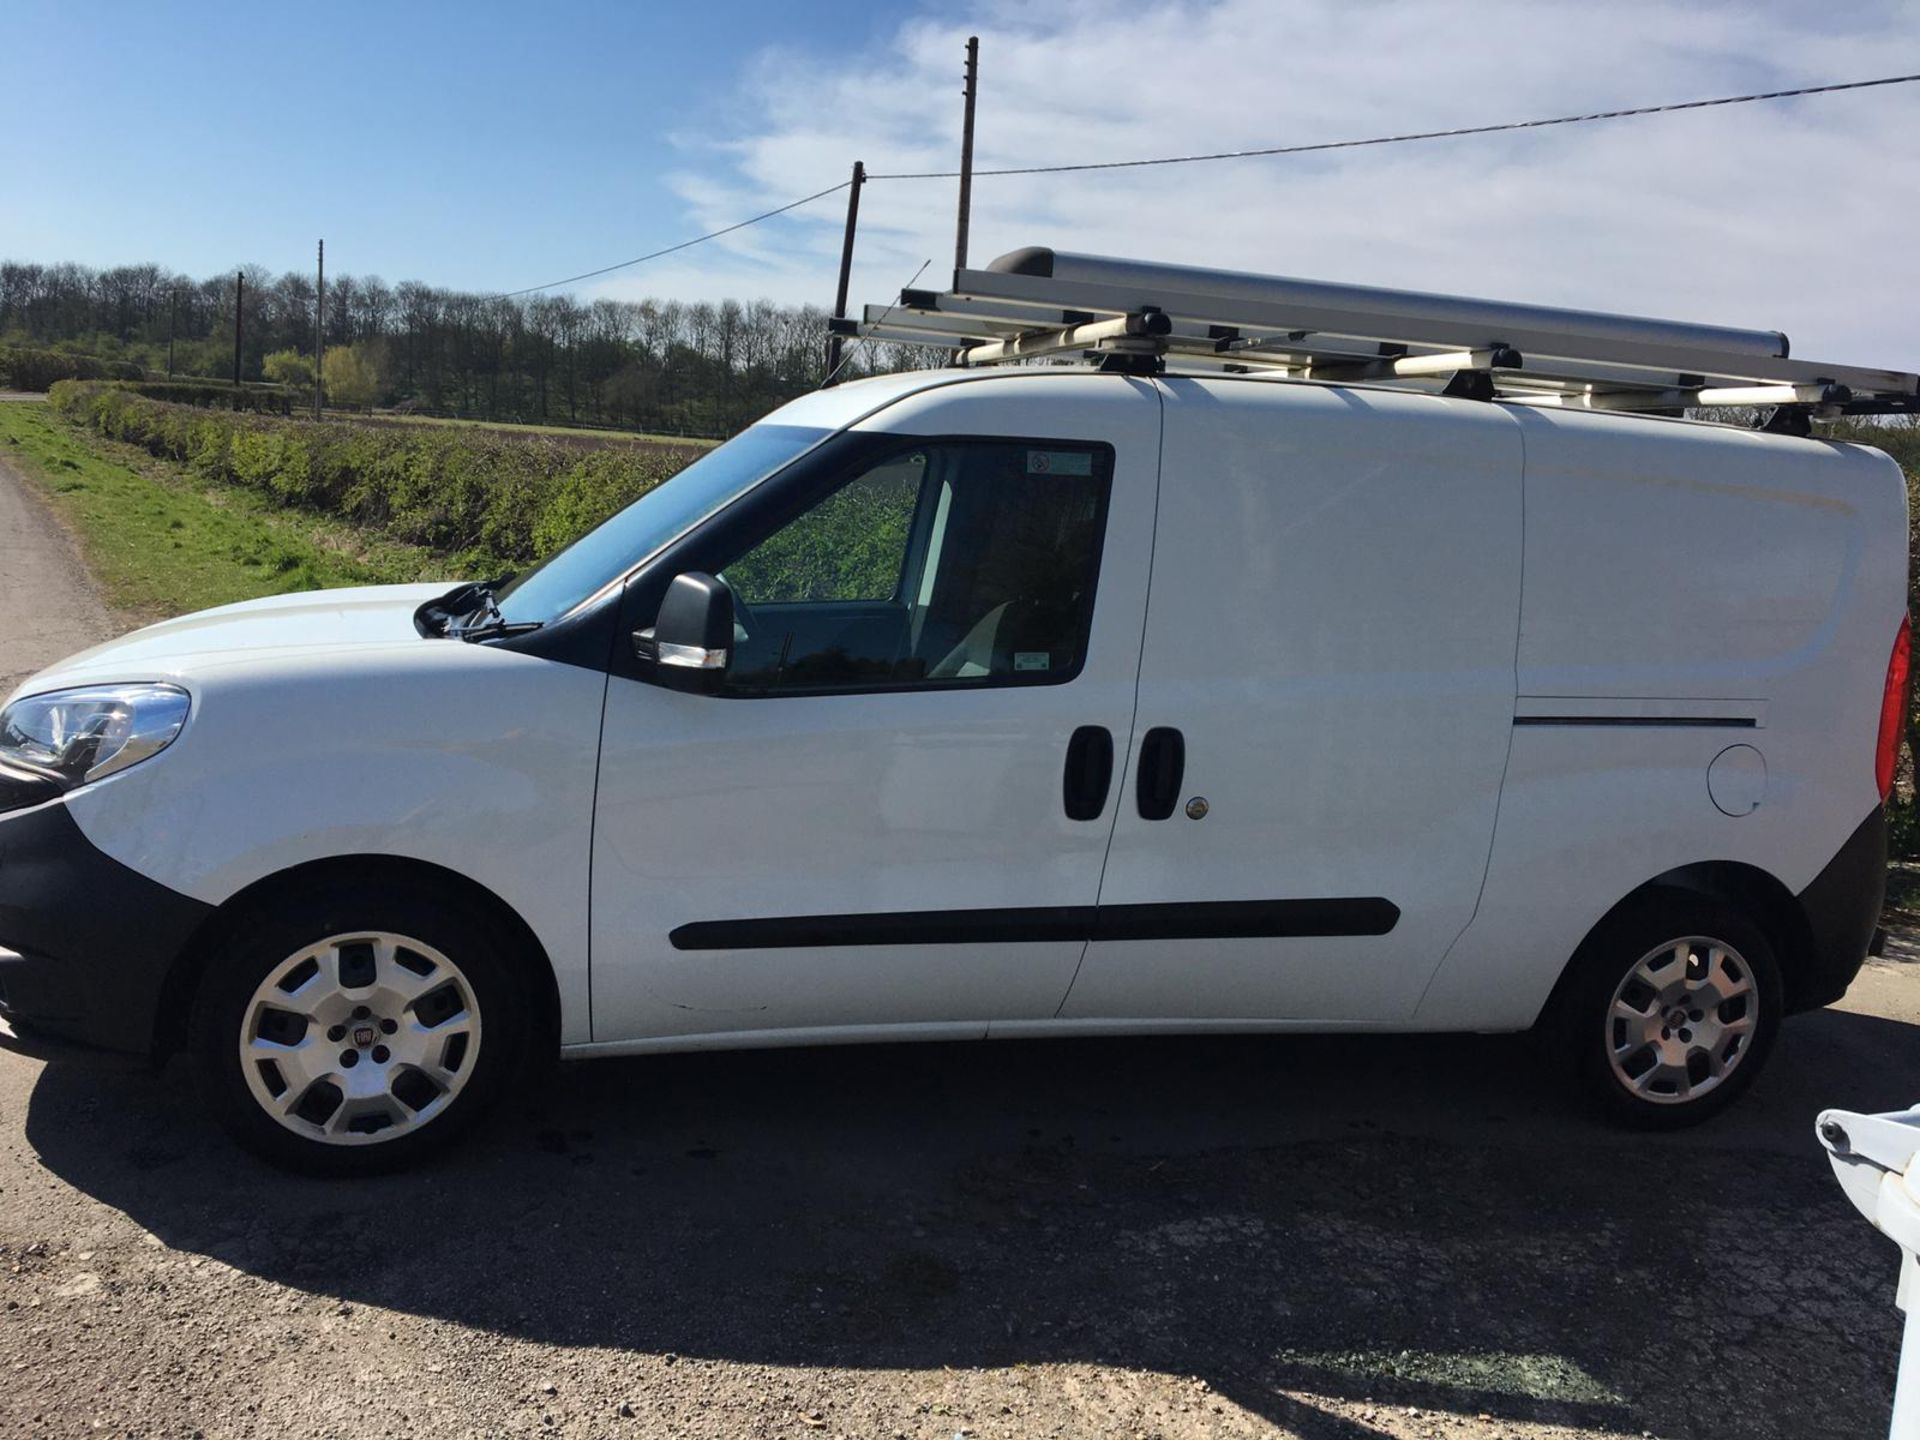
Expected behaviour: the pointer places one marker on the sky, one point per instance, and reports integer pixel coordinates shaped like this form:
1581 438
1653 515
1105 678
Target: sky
492 146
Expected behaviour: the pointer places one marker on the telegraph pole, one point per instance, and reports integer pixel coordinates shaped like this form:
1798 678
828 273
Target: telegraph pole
834 340
966 153
173 314
319 329
239 297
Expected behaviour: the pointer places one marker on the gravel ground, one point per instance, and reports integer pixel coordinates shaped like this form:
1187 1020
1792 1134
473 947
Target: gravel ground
48 602
1331 1238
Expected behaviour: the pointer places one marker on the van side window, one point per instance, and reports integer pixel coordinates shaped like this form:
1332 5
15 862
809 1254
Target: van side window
951 563
848 547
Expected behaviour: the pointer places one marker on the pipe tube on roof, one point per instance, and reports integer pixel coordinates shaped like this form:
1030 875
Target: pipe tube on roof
1487 320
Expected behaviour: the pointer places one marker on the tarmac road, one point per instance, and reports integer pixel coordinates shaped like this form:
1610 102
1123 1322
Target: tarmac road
1331 1238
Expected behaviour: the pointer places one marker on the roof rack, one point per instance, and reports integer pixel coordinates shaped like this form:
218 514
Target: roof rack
1134 316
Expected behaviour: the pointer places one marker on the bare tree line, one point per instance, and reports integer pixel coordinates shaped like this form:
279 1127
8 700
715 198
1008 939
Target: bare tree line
701 368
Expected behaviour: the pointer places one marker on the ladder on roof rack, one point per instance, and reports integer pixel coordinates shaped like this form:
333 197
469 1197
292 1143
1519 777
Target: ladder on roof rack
1135 316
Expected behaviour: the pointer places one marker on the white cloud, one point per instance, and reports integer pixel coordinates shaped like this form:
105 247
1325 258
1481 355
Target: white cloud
1797 215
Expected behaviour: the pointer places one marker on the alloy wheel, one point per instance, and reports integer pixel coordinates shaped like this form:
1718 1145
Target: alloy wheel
1682 1020
360 1038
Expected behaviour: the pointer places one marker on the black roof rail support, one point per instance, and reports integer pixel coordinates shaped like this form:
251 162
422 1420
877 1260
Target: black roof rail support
1788 420
1470 385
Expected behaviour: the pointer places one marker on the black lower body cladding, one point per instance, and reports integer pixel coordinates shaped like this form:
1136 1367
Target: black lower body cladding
85 943
1842 907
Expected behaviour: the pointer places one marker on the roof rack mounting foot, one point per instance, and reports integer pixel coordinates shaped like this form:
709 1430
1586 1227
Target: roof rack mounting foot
1788 420
1470 385
1131 362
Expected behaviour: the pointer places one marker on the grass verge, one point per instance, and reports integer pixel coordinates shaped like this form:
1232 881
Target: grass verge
161 542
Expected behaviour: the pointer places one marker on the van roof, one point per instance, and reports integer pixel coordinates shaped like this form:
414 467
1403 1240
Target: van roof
854 401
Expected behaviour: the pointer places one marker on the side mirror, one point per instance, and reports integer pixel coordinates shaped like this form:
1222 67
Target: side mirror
691 639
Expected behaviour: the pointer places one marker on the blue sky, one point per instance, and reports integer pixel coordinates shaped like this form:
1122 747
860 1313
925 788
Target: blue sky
493 146
474 144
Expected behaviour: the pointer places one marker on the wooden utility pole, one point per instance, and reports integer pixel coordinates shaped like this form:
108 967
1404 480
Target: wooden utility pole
834 340
173 314
320 329
239 304
966 153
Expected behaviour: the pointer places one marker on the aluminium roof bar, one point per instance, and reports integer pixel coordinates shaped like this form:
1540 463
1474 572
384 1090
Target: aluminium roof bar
1096 282
1034 303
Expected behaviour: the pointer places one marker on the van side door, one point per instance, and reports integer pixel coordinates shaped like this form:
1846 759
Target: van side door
891 816
1326 699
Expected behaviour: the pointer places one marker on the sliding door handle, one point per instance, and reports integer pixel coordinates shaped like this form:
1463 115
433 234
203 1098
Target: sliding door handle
1163 764
1089 772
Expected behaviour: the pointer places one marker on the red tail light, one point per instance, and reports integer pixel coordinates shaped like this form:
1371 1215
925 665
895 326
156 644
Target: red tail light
1893 708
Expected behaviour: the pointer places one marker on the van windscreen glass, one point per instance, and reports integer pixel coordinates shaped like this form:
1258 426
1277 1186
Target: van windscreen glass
551 588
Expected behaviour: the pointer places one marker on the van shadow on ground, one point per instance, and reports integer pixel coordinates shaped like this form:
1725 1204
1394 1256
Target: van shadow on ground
1418 1221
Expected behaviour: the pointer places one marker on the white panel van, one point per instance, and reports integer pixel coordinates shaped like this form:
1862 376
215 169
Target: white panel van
1004 702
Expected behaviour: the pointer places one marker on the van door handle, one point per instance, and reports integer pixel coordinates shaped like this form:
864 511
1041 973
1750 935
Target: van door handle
1163 764
1089 772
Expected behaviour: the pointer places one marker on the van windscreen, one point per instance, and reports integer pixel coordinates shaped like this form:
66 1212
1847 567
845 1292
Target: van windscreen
577 572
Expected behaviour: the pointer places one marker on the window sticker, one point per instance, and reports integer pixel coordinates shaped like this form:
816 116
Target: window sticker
1032 660
1059 462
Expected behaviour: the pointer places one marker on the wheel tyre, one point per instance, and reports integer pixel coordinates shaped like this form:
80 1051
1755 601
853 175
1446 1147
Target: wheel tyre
1578 1029
262 940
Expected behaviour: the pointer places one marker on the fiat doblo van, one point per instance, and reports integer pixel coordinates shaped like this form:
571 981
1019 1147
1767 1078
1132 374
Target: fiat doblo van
997 702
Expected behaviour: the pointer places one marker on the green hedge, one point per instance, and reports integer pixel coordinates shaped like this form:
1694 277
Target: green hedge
211 394
479 495
24 369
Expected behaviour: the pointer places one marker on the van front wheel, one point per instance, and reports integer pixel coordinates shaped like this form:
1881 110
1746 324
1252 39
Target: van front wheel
356 1028
1670 1010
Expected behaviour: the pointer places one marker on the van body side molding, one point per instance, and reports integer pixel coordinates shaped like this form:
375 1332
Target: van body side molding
1706 722
1207 920
1664 711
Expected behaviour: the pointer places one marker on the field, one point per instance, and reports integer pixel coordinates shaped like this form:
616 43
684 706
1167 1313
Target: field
160 541
579 434
342 501
488 500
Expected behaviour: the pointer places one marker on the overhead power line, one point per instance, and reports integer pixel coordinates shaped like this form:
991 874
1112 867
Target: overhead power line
1400 139
1414 135
683 245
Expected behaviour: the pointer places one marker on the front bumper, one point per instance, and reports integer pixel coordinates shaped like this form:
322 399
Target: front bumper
85 942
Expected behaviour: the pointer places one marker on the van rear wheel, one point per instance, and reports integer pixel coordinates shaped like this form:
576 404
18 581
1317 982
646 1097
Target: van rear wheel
1670 1010
356 1028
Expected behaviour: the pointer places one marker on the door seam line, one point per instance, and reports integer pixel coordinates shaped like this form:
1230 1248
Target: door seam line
593 849
1133 719
1500 795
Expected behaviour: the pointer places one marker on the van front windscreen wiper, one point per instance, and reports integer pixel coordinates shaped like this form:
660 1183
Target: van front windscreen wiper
467 610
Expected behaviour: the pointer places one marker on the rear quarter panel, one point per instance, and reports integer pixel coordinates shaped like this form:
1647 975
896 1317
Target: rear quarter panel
1677 569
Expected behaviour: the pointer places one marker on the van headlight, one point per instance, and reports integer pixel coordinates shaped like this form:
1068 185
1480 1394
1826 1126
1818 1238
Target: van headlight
84 734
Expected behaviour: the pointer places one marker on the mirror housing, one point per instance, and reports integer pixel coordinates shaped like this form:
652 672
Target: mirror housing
690 644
